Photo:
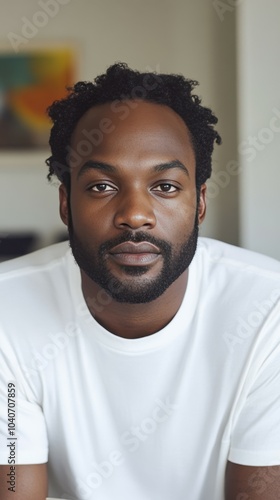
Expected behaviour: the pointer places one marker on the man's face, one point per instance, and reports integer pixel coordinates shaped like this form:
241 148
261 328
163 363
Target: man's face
133 214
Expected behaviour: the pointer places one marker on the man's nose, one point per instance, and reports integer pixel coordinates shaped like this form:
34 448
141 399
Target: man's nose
135 210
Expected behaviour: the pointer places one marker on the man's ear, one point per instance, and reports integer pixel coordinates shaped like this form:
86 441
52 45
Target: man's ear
63 204
202 204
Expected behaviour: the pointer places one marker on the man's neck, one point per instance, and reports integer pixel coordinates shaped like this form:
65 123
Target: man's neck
133 321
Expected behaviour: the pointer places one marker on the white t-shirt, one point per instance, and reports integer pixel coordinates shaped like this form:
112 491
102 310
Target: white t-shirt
154 418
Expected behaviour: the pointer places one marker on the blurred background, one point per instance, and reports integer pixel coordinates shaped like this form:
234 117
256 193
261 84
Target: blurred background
230 46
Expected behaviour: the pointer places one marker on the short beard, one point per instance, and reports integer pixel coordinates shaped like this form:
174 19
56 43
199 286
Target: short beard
175 262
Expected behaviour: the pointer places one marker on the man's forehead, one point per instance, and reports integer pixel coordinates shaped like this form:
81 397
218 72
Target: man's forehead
127 130
130 111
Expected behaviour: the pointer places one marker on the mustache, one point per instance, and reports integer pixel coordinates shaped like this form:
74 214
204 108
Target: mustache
138 237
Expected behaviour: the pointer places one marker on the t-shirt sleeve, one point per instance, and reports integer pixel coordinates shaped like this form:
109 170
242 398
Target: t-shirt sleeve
23 435
255 438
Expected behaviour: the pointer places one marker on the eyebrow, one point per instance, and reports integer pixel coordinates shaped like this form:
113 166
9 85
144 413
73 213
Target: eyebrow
172 164
110 169
96 165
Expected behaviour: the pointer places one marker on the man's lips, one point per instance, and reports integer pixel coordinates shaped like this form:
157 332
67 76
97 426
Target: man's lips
130 247
131 254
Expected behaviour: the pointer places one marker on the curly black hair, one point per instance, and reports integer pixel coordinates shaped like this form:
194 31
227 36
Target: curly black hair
121 83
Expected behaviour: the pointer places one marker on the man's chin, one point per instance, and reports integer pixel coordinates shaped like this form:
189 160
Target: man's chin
135 284
140 290
133 297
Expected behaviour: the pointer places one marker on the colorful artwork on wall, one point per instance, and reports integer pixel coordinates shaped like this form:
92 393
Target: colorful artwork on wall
29 83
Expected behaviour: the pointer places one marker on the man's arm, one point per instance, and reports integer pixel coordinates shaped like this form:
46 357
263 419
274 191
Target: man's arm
252 483
31 482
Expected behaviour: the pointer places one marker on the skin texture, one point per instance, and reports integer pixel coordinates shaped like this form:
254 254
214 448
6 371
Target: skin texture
252 483
150 135
31 482
134 201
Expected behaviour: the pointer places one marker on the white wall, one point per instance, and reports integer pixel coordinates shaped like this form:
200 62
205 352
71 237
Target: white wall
189 37
204 48
259 124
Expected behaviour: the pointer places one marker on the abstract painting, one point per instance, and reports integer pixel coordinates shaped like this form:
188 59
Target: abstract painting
29 82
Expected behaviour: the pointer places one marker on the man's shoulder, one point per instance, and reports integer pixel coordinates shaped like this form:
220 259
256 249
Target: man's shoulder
225 255
35 262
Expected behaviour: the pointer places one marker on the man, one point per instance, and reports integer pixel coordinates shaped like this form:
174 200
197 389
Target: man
148 368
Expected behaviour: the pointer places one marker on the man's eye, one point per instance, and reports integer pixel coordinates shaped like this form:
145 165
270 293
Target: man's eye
101 188
166 188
